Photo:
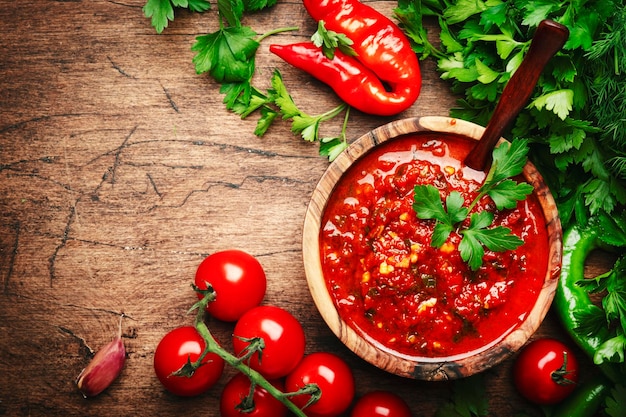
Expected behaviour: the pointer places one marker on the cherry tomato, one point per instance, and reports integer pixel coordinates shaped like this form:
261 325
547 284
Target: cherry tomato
238 388
334 378
546 371
174 350
283 337
381 404
238 280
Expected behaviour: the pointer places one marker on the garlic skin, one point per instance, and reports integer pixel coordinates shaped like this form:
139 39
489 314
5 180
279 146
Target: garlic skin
103 369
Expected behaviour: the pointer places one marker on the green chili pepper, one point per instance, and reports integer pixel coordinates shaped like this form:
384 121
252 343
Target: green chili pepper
573 305
572 302
587 398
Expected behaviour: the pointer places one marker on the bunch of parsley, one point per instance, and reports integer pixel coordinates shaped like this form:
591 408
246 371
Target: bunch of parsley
576 120
228 56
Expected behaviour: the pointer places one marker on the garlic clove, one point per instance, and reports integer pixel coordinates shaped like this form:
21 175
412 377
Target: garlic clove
103 368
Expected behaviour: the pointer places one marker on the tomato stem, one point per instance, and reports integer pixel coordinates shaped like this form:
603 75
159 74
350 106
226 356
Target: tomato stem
255 346
559 376
310 389
212 346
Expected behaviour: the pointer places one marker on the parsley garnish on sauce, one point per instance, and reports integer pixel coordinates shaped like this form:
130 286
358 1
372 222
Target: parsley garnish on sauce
508 161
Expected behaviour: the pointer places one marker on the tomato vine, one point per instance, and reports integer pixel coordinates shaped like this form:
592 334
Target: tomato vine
212 346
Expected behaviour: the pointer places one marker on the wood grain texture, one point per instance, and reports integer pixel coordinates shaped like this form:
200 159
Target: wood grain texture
120 170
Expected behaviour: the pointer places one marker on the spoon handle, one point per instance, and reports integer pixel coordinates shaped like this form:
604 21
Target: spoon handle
548 40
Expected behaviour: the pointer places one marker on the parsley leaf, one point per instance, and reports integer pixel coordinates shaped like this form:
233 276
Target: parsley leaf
231 10
161 12
282 97
560 102
227 54
477 235
428 203
278 102
508 161
408 14
332 147
611 350
329 41
193 5
468 399
616 402
265 121
537 10
508 192
463 9
256 5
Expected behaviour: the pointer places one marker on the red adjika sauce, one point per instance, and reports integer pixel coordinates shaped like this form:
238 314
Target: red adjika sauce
392 286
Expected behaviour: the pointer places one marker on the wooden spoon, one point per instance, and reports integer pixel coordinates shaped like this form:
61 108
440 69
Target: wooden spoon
548 40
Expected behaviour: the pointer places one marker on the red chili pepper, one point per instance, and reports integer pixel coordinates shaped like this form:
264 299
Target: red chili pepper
383 79
353 82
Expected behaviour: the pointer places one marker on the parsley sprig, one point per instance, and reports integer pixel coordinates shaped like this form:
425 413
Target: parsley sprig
161 12
278 102
228 56
508 161
329 41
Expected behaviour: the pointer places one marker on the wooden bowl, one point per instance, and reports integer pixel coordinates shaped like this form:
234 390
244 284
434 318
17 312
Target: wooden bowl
420 367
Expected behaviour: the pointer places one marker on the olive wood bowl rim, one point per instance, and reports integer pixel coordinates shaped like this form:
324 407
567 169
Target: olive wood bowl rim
431 369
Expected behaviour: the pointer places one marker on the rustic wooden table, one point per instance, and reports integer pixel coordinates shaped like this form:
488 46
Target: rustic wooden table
120 170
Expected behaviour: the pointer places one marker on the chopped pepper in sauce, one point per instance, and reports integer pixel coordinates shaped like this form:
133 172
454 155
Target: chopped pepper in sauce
392 286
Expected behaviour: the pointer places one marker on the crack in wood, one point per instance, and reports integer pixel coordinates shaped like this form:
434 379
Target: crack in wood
221 146
154 186
252 151
119 3
118 154
278 252
170 99
16 228
81 341
231 185
37 119
119 69
43 178
14 166
65 236
64 239
109 174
